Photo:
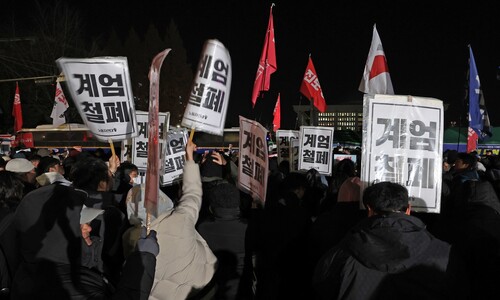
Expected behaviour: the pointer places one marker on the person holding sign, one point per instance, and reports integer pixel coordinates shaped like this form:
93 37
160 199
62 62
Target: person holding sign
185 265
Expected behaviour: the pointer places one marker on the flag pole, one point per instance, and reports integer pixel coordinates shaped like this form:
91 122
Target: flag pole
311 111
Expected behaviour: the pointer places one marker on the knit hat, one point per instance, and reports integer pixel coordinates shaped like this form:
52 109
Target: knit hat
224 195
209 169
88 214
19 165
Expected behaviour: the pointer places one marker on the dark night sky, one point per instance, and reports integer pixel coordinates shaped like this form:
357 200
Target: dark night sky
425 44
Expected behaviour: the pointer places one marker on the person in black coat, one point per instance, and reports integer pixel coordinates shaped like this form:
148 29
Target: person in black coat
50 238
390 255
281 243
224 231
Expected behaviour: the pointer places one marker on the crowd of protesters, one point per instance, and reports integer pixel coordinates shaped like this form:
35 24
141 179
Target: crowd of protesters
75 227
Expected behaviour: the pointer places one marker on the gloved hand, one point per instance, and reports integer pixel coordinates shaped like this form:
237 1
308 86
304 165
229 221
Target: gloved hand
148 242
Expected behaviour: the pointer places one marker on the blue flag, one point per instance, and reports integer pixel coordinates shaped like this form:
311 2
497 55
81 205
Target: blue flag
478 116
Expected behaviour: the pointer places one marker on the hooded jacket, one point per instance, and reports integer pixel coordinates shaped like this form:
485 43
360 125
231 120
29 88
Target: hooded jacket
390 257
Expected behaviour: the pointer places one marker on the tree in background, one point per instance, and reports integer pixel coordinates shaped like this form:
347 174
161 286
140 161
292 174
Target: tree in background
30 47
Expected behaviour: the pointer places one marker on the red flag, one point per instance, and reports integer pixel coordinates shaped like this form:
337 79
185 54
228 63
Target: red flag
17 112
376 78
267 63
471 140
311 88
277 115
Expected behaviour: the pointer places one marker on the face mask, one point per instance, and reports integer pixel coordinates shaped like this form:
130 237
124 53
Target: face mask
134 181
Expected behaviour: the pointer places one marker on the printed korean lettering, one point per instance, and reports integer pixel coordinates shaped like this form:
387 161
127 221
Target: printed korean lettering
284 141
322 157
249 141
112 87
117 112
128 150
205 65
88 83
421 173
310 139
323 142
175 146
221 72
259 150
308 156
312 79
214 99
388 168
395 131
247 166
284 152
259 173
93 112
196 94
143 129
174 164
141 149
169 165
418 129
179 162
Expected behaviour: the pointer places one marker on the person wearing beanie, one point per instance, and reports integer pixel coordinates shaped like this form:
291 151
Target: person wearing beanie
224 232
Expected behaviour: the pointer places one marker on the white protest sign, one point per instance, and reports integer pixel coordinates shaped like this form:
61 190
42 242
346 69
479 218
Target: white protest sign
402 143
294 155
253 164
283 138
101 90
207 106
315 149
175 155
140 142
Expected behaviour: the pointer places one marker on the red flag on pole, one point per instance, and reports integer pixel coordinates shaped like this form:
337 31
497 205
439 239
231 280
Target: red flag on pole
311 88
17 112
376 78
267 63
277 115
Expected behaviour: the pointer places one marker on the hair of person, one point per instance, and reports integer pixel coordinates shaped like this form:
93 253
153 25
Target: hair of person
385 197
345 167
294 181
87 173
468 159
3 163
11 189
45 164
126 168
35 157
313 177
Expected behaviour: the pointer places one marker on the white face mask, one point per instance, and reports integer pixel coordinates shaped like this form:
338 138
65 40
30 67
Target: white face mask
134 181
